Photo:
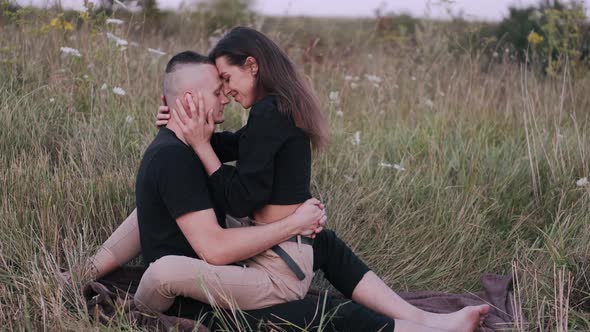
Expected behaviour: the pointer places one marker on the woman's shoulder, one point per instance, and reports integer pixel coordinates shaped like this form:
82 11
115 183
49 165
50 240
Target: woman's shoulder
266 110
269 102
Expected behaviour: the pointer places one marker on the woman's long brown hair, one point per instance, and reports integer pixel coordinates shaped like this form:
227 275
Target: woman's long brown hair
278 76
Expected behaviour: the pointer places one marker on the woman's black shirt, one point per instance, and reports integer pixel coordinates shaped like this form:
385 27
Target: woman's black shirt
274 162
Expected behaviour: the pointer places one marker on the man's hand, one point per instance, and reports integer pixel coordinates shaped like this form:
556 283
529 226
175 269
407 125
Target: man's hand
310 217
198 128
163 115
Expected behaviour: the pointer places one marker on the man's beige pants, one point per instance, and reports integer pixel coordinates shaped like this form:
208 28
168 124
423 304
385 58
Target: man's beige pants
259 282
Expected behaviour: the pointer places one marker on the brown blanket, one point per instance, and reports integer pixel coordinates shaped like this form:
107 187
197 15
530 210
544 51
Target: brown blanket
113 295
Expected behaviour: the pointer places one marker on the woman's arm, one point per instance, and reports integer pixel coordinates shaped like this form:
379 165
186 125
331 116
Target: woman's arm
226 145
247 187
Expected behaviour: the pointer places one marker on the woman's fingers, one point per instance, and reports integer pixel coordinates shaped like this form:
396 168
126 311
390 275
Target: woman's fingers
201 103
163 99
191 105
163 116
180 112
176 116
162 119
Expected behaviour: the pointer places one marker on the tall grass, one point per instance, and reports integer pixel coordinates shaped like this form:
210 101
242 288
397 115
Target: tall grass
489 157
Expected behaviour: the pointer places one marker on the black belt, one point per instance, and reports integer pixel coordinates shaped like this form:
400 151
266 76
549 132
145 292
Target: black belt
288 260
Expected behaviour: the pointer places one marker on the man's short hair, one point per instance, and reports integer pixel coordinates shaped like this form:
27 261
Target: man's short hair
187 57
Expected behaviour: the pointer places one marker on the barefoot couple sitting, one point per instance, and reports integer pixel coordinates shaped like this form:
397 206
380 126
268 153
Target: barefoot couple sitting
184 191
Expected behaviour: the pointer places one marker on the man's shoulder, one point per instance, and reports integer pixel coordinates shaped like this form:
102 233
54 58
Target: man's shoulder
171 153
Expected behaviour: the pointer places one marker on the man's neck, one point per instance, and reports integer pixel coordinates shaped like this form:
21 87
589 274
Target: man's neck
176 129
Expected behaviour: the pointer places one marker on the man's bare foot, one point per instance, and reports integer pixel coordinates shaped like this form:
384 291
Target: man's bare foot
464 320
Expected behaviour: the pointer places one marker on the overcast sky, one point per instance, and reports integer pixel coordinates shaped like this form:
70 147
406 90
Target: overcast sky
472 9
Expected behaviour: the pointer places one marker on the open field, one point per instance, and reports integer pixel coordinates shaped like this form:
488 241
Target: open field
442 166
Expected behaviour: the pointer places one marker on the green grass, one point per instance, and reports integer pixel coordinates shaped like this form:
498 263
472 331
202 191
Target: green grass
491 155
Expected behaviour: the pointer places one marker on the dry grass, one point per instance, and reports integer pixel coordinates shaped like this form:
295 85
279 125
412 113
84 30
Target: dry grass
491 155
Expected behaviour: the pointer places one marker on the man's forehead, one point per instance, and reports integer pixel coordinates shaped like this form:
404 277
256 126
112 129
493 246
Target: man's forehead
204 74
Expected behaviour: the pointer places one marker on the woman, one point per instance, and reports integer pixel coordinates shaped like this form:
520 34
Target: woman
250 79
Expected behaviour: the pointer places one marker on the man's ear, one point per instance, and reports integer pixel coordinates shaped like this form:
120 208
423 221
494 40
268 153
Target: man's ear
251 65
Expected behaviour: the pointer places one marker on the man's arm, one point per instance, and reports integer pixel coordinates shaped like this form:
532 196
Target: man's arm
220 246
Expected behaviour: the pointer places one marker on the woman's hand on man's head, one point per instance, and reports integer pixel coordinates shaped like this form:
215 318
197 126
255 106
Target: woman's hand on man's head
196 124
163 115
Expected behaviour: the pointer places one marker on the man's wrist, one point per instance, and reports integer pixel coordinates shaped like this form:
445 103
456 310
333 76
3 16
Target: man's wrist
290 226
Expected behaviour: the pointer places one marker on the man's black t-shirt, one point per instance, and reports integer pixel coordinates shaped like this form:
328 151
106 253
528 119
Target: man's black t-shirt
171 182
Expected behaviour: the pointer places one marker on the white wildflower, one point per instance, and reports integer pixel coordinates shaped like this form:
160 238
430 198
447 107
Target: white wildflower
375 85
129 119
373 78
117 40
356 138
119 91
121 4
428 103
354 85
335 97
114 21
394 166
582 182
104 86
339 113
495 54
348 178
70 51
370 56
157 52
386 165
85 77
413 78
51 100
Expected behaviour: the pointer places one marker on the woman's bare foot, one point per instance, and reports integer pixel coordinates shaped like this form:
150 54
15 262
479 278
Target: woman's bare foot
464 320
